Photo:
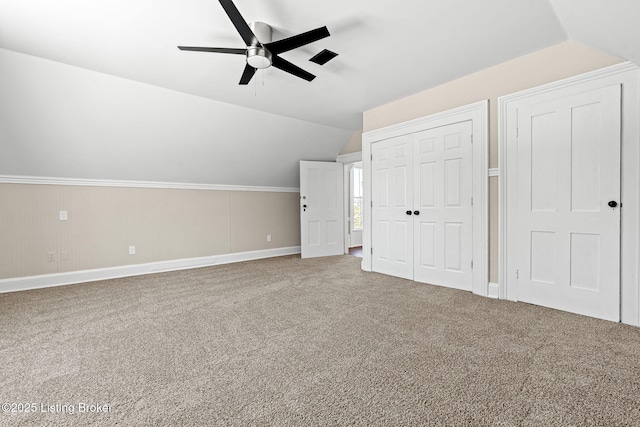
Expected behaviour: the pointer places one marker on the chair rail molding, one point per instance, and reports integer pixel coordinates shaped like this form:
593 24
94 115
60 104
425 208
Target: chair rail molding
39 180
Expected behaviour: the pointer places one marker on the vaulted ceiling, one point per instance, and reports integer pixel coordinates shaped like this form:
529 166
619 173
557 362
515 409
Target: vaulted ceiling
98 89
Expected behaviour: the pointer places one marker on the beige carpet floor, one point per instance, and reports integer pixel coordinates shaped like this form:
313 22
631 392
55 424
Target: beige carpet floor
286 341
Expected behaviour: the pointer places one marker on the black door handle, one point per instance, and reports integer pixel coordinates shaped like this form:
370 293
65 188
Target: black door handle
408 212
613 204
416 212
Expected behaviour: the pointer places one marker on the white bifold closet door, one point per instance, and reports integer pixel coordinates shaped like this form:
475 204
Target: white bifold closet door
422 206
392 190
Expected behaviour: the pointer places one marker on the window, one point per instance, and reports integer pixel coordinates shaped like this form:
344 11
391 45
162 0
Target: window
357 187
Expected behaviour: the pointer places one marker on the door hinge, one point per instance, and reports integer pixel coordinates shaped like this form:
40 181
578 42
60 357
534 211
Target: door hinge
371 156
472 201
471 263
517 131
372 203
472 138
517 273
371 251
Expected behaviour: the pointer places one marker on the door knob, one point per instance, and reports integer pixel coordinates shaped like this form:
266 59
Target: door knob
613 204
416 212
408 212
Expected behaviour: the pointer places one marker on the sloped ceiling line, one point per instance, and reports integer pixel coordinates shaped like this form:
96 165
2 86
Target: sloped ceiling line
63 113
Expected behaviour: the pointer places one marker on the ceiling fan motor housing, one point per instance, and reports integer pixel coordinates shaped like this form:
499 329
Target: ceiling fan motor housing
257 56
263 31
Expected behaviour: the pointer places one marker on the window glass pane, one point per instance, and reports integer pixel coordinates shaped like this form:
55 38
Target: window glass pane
357 213
358 187
357 182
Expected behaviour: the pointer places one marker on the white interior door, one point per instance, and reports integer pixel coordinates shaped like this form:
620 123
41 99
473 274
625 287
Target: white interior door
392 205
321 209
443 215
568 172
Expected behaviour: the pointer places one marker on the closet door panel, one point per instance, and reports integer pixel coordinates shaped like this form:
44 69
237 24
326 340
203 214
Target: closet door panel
392 179
443 191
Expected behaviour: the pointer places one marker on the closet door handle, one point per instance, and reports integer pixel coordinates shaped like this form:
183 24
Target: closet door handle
416 212
408 212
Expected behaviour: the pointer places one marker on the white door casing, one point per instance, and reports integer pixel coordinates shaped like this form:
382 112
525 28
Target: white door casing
355 235
568 170
443 236
321 209
348 161
627 76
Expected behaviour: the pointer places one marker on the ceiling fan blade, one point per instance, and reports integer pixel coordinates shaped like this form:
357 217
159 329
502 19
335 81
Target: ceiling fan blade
290 68
294 42
239 22
248 73
214 49
323 57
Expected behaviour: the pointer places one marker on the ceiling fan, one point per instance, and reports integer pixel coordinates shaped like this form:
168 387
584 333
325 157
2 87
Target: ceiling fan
261 52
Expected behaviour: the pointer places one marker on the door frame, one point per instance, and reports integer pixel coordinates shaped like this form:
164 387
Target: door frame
350 187
478 114
348 160
628 75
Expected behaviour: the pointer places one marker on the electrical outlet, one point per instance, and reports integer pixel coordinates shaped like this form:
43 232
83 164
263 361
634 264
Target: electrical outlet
132 250
268 237
63 215
51 257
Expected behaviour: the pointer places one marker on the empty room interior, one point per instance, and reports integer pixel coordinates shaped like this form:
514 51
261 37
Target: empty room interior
242 212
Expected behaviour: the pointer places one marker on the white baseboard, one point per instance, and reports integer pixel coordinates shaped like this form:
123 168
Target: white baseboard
72 277
493 290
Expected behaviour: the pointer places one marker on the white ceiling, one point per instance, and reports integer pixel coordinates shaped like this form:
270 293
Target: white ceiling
611 26
387 50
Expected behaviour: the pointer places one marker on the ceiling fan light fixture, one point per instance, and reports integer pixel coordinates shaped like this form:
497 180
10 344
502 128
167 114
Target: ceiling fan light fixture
261 52
258 57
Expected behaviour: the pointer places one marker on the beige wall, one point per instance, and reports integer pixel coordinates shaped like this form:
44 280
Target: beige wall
256 214
163 224
354 145
548 65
